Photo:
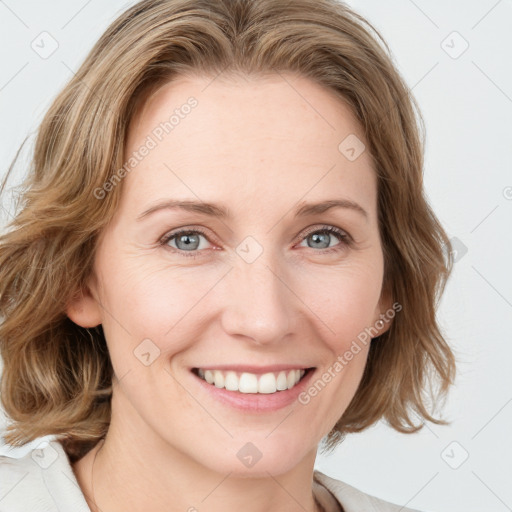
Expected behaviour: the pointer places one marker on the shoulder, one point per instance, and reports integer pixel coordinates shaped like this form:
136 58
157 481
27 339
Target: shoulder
41 480
22 485
354 500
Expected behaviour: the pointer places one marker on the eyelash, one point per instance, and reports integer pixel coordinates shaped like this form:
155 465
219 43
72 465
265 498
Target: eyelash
345 239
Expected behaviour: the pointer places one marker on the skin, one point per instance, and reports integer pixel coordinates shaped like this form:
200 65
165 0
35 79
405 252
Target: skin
257 147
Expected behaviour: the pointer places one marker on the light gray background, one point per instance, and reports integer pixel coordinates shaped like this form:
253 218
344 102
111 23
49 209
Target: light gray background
466 99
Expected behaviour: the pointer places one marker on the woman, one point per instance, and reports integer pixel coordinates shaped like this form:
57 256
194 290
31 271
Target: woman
224 256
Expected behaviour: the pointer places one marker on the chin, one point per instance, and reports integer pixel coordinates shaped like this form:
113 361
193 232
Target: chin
257 458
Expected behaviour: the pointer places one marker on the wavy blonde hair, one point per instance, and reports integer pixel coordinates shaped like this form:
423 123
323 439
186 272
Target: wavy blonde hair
57 376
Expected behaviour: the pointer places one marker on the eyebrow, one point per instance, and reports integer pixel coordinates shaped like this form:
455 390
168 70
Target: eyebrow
305 209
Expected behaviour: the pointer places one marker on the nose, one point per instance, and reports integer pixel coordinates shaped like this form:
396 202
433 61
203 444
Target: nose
258 302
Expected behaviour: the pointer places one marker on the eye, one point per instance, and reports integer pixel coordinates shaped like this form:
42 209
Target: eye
187 242
321 238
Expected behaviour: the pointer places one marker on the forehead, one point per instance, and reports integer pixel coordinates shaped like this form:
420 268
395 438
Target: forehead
245 139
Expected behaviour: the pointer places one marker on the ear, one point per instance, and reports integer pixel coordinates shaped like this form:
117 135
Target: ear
384 314
84 309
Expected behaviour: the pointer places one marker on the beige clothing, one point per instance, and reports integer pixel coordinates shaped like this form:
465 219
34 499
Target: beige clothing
43 481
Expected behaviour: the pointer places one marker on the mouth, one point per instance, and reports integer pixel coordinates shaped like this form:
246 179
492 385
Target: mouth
244 382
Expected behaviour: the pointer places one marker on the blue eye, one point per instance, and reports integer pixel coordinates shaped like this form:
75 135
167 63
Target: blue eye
188 241
319 236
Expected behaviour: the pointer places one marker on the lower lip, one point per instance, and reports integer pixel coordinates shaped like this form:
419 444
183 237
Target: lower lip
256 402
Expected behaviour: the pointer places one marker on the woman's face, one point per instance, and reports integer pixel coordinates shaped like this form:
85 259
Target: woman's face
263 286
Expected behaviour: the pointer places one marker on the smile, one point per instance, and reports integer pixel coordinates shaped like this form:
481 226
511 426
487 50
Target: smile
246 382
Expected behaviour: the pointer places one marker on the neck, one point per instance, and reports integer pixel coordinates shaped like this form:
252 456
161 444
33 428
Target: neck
142 472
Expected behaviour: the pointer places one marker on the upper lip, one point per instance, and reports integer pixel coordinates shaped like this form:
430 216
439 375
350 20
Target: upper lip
254 369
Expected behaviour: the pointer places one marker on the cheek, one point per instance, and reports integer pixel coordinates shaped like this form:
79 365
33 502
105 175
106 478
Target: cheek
168 303
159 301
344 299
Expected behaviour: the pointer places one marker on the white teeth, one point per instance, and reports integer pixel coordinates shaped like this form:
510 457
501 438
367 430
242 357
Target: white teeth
231 381
267 383
282 381
291 378
218 379
248 383
251 383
